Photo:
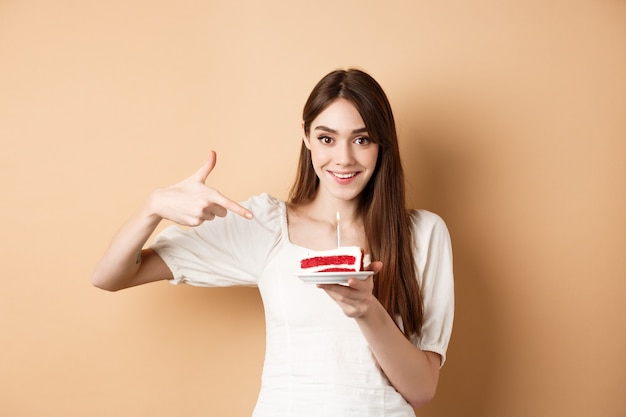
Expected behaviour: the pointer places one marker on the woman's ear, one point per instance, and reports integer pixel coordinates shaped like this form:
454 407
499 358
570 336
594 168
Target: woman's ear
305 138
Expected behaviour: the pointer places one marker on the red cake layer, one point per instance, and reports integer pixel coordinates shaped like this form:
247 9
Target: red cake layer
327 260
344 259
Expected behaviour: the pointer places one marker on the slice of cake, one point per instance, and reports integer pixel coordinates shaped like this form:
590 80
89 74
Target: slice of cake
343 259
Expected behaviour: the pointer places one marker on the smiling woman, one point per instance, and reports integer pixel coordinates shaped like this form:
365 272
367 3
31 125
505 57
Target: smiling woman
380 352
343 156
511 124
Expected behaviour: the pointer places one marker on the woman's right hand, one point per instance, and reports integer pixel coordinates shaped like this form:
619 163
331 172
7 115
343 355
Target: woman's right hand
191 201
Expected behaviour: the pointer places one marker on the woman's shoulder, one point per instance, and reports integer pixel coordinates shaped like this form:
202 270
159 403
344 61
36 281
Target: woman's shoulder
426 219
265 208
264 202
427 225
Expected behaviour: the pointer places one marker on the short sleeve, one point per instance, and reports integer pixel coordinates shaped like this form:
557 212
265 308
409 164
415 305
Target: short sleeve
434 261
226 251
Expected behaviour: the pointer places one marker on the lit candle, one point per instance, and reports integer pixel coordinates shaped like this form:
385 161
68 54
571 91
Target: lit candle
338 231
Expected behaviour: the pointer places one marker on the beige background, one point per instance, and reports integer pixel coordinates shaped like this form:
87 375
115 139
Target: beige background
512 117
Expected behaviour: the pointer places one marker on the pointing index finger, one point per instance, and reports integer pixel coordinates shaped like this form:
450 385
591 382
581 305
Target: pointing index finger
235 207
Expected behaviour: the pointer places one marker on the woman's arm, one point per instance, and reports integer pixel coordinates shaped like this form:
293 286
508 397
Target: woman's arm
190 202
124 263
413 373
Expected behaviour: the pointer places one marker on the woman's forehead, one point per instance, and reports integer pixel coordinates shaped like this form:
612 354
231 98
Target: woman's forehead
340 115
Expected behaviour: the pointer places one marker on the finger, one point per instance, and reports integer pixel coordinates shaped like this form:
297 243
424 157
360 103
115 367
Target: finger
375 266
332 287
202 174
233 206
217 210
364 285
337 292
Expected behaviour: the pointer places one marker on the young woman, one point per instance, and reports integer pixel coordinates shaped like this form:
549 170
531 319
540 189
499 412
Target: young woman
371 347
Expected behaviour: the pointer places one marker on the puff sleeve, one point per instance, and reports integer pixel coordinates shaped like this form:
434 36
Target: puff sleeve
434 262
225 251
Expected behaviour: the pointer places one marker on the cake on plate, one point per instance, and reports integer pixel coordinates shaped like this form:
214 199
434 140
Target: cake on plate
343 259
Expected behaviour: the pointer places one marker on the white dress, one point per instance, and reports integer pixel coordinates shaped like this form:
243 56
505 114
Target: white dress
317 362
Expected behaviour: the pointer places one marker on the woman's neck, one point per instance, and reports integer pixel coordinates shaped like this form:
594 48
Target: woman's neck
314 224
324 209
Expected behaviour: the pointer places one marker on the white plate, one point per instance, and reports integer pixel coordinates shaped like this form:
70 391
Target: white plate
332 277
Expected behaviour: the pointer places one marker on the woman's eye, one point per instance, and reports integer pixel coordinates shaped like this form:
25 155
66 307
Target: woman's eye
362 140
325 139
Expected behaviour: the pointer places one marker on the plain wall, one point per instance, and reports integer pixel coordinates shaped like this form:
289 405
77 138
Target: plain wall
512 119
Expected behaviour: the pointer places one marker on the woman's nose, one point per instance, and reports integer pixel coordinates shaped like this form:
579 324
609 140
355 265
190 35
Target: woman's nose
343 154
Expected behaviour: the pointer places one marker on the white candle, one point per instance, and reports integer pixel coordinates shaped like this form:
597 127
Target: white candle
338 231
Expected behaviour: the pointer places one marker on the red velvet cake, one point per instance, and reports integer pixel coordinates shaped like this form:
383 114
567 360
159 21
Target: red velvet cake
343 259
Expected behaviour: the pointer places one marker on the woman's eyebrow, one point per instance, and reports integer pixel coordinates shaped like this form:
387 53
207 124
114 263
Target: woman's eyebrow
329 130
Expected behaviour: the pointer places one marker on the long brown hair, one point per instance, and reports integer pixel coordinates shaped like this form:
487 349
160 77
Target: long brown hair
382 205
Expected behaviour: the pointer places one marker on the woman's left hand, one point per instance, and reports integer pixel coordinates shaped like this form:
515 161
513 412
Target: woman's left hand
356 297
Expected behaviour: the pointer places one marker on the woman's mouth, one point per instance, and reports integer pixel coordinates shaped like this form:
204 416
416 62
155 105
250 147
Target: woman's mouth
344 175
344 178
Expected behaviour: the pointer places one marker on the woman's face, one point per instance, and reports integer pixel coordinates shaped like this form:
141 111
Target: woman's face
343 156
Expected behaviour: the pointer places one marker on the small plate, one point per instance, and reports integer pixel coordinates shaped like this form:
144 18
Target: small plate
332 277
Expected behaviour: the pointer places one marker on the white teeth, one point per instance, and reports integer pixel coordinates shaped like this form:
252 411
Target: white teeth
344 176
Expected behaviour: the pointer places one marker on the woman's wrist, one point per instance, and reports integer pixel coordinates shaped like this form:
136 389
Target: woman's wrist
151 210
373 315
